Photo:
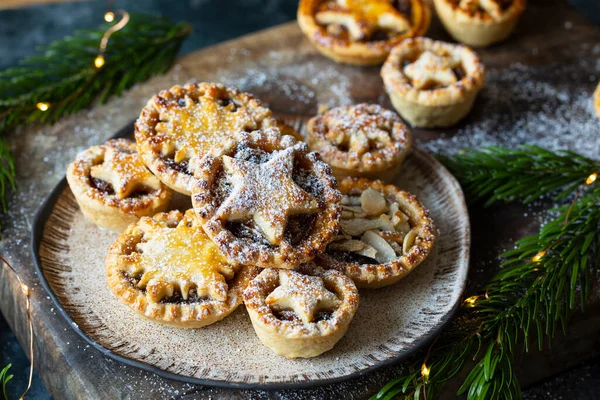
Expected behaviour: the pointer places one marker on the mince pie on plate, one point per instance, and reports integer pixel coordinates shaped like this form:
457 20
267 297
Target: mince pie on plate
183 123
479 23
265 200
360 140
432 83
300 313
113 187
361 32
168 270
384 234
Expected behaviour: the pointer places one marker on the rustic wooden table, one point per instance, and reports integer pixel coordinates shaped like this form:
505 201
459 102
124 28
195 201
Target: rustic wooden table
552 39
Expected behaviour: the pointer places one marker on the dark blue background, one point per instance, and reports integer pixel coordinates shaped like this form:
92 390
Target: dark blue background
23 30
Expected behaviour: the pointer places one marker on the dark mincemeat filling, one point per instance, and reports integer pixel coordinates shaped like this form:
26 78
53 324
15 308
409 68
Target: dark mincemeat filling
289 315
351 258
102 186
182 167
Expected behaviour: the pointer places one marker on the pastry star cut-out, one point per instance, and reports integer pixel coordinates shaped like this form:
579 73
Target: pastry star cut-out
492 7
306 295
266 193
125 172
359 140
363 17
431 69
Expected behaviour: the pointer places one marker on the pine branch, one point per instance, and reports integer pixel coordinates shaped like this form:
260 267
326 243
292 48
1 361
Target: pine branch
4 379
65 78
529 299
498 174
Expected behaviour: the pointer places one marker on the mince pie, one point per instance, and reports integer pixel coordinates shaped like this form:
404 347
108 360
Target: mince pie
113 187
168 270
479 23
361 32
384 234
265 200
183 123
360 140
432 83
300 313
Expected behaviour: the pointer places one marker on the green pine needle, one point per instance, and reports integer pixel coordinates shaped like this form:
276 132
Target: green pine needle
527 301
4 379
64 76
502 175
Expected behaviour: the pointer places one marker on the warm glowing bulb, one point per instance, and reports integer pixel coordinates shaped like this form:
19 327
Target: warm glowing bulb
43 106
99 61
425 371
538 256
470 302
109 16
591 179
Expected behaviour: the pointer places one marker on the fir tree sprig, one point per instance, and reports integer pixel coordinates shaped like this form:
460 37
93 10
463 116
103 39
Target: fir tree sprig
63 79
529 299
500 175
4 379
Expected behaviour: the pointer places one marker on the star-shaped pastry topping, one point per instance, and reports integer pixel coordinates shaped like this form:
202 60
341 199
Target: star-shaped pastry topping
430 70
491 7
360 136
364 17
265 193
306 295
125 172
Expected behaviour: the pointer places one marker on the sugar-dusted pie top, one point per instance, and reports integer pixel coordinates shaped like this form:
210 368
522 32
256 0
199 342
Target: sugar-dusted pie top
363 137
307 301
494 10
380 226
266 200
172 256
185 122
113 174
432 72
370 22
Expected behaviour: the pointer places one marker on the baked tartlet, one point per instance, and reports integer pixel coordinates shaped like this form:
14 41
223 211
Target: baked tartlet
361 32
432 83
479 23
300 313
384 234
360 140
168 270
597 100
181 124
265 200
113 187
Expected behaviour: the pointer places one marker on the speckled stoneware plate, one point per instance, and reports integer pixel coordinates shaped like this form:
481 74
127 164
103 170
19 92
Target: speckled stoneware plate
391 323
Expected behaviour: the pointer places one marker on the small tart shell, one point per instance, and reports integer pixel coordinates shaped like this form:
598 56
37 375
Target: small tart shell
183 315
157 147
358 52
597 100
239 250
439 107
106 210
374 276
478 29
379 163
296 339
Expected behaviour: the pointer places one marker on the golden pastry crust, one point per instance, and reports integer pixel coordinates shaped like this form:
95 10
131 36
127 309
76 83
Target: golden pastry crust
347 30
432 83
113 187
479 23
360 140
265 200
384 234
597 100
166 269
181 124
300 313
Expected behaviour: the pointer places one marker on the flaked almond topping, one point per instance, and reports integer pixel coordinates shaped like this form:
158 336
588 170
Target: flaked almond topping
409 240
373 202
385 252
347 245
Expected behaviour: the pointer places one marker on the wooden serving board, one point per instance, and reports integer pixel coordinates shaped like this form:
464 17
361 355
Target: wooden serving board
538 90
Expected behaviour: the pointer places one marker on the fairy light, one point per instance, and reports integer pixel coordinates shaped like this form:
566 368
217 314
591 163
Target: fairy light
99 61
538 257
470 302
109 16
425 370
26 291
591 179
43 106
